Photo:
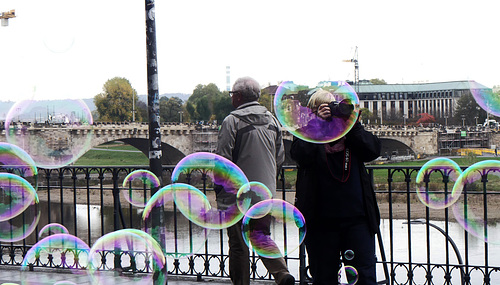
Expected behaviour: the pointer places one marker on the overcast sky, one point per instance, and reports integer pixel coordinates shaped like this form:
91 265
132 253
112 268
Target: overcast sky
68 49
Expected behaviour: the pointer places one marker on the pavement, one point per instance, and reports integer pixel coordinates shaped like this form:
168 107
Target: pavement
12 275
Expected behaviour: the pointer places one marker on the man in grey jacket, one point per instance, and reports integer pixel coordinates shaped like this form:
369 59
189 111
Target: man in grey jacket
251 137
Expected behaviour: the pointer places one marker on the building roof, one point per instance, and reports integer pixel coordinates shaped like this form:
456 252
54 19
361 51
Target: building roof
421 87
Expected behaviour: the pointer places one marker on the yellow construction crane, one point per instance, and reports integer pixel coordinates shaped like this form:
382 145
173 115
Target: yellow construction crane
356 69
5 16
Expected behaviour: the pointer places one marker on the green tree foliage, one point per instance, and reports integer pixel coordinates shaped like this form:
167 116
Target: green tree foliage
141 109
114 104
266 100
207 102
366 116
170 109
377 81
468 109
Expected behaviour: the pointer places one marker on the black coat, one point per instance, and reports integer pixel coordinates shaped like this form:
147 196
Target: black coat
363 146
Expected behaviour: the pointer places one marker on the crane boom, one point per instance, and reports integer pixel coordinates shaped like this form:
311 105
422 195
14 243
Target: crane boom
356 69
5 16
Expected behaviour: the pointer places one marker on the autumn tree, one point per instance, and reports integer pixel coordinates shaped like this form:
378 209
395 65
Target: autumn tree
115 102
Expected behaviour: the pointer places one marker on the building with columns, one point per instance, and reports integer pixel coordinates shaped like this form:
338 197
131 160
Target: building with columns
408 100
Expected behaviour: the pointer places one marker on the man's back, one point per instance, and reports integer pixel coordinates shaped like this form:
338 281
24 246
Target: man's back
250 136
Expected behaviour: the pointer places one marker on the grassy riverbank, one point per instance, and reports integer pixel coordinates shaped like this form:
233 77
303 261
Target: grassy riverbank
113 154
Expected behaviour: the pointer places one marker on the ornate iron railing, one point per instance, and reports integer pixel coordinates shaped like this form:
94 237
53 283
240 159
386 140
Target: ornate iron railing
416 245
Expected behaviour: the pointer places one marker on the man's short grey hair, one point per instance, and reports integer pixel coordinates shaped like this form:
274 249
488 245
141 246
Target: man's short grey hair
248 88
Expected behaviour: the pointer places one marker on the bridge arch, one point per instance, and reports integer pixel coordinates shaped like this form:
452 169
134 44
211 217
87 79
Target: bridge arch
392 147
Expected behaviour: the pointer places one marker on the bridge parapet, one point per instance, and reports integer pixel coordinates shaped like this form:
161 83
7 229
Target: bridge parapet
189 138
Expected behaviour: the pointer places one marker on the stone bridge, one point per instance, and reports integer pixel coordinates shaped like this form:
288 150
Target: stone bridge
179 140
411 140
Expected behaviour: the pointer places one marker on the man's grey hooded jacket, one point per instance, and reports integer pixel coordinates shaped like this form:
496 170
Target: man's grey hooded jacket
250 136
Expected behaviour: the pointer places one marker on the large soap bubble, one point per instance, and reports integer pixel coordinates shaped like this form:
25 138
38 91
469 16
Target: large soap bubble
65 249
54 133
471 209
127 256
136 185
178 235
485 98
19 206
430 182
267 223
296 105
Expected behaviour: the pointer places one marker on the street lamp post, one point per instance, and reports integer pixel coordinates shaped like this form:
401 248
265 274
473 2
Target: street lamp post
155 151
463 121
180 116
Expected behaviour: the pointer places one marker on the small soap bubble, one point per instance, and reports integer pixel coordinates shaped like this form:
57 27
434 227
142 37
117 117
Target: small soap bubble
136 186
52 228
296 109
429 183
266 234
179 236
250 194
469 208
54 133
349 254
209 210
126 256
348 275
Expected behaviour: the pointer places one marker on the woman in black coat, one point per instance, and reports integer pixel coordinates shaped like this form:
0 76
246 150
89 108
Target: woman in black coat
336 197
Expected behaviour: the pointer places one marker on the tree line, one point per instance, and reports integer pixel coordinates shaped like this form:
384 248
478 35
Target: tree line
207 103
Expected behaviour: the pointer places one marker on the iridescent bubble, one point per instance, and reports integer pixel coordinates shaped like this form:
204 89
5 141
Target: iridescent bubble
348 275
178 235
52 228
127 256
54 133
250 194
470 210
207 210
64 249
16 194
485 98
349 254
429 182
296 107
15 160
27 210
137 184
266 235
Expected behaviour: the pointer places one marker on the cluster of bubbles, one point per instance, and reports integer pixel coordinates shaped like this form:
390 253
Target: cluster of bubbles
19 203
265 221
238 200
348 274
463 197
296 112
